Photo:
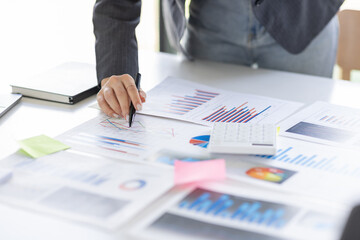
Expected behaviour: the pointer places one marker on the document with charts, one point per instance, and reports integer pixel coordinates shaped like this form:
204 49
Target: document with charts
298 167
221 211
112 137
83 187
302 168
325 123
188 101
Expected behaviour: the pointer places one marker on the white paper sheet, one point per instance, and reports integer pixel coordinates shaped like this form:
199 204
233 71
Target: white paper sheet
82 187
221 211
184 100
325 123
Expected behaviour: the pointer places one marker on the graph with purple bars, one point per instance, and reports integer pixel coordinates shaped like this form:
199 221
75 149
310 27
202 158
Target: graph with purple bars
238 209
314 161
181 105
240 114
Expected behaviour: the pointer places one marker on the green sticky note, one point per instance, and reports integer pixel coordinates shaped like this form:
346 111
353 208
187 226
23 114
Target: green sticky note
22 152
41 145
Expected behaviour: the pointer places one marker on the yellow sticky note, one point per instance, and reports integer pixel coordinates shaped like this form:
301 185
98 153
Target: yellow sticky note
277 130
41 145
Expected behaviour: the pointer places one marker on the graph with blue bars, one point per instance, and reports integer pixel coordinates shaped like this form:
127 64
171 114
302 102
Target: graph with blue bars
240 114
332 164
239 209
181 105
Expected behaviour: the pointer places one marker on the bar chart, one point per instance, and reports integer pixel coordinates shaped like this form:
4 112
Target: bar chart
122 146
119 145
338 118
333 164
234 208
240 114
181 105
189 101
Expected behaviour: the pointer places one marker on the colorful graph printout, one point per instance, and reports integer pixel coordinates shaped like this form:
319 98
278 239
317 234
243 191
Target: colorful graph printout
111 137
189 101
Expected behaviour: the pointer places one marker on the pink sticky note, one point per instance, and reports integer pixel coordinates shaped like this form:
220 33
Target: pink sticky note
191 172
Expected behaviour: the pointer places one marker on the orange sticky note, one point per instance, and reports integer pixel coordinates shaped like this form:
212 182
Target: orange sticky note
192 172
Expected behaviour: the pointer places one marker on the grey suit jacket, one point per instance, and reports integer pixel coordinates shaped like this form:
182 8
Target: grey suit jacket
292 23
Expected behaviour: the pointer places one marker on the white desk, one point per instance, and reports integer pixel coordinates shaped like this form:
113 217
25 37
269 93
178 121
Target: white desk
33 117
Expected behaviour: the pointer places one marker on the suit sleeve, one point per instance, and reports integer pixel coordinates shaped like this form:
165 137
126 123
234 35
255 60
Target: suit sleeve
116 45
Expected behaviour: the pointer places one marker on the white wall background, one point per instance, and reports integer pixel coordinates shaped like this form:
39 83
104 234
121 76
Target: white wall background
351 4
38 34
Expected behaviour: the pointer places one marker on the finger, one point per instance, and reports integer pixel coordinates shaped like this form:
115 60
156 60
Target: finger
142 95
123 100
112 100
131 89
104 81
104 106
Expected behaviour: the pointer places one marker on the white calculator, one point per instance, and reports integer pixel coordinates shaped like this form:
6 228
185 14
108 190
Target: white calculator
241 138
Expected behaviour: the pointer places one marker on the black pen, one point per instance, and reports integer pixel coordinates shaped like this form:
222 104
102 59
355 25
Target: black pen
132 110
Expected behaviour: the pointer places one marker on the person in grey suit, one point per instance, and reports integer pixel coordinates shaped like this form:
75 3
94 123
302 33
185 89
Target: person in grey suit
289 35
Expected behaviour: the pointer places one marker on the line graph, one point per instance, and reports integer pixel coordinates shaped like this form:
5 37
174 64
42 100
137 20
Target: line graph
137 127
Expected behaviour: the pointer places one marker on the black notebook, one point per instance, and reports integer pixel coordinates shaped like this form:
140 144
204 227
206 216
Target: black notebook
66 83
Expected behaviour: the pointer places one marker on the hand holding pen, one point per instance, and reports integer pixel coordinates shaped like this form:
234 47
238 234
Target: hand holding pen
116 94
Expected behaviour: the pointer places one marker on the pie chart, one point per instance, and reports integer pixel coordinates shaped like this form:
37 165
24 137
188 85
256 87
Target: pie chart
267 174
200 141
